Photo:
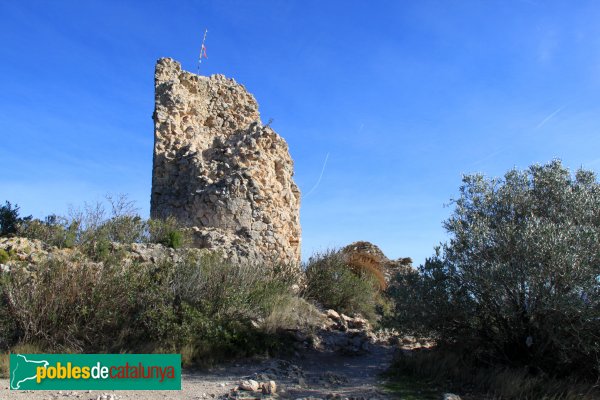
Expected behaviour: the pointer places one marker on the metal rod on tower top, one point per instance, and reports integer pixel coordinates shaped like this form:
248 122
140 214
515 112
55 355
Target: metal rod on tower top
202 51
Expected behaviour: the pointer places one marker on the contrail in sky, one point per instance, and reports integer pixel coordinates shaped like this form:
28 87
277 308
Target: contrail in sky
549 117
503 148
320 177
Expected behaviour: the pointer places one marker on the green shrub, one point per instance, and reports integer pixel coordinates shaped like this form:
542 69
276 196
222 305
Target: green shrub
54 231
75 304
175 239
201 304
123 229
91 228
518 281
167 232
331 282
94 227
98 228
235 291
227 310
4 256
92 300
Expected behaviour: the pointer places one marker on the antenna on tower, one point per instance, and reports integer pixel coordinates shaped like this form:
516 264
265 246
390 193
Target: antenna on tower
202 51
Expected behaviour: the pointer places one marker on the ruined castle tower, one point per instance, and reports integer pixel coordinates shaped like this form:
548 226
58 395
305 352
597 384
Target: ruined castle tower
220 171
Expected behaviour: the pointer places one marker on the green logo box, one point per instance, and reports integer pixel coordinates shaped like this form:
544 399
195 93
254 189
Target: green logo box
95 372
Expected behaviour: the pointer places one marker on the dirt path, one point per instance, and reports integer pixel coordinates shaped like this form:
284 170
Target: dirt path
313 374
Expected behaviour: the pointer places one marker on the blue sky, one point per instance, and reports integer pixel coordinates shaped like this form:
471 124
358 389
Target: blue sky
401 98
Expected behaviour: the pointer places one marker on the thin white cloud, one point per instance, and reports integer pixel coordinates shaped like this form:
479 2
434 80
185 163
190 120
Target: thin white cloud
549 117
502 149
489 156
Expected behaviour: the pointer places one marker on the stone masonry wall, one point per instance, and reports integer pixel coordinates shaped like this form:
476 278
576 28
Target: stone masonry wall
220 171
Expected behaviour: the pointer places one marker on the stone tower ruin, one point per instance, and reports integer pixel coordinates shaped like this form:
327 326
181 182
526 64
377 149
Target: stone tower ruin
219 171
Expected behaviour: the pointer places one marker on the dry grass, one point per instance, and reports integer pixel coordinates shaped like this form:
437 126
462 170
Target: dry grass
23 348
369 265
291 312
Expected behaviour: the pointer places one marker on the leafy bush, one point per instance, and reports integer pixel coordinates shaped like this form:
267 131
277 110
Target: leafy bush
4 256
201 305
123 229
54 230
96 226
229 308
73 303
518 281
241 292
10 220
331 282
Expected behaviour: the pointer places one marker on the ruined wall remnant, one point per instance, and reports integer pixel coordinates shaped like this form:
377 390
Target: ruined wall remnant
367 254
219 170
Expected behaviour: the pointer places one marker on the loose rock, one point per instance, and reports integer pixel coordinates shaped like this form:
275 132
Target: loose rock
269 387
450 396
250 385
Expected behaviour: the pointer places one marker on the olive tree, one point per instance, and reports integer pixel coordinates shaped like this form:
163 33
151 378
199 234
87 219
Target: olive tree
518 280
